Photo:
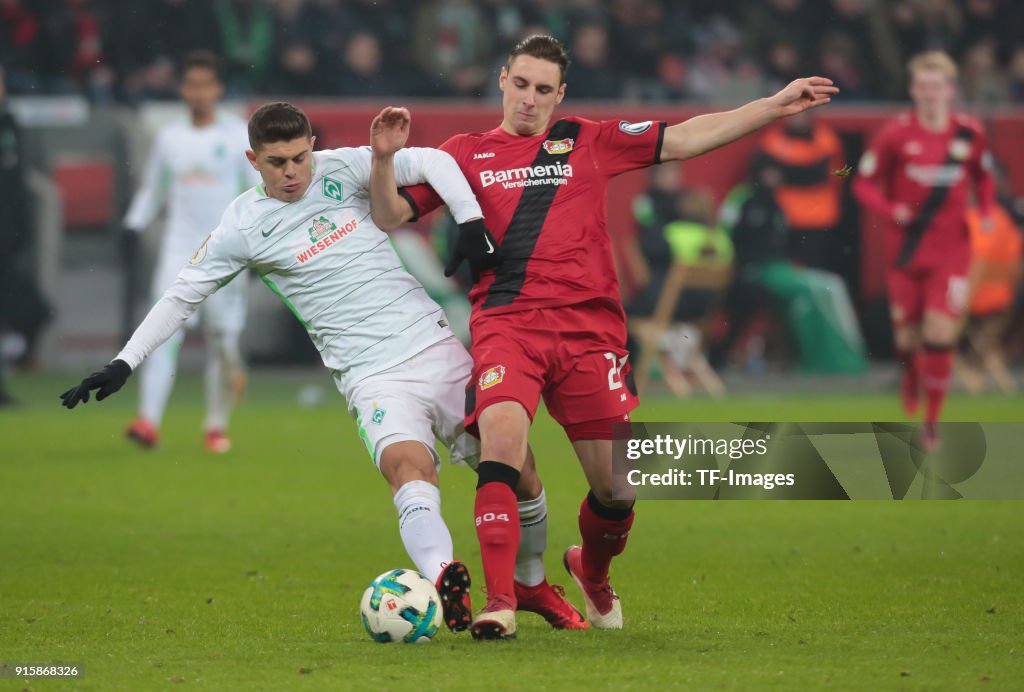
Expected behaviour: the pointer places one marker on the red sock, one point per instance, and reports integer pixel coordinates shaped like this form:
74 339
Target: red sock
936 365
497 528
603 538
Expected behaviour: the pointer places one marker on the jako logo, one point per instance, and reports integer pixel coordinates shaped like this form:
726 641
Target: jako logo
552 174
485 155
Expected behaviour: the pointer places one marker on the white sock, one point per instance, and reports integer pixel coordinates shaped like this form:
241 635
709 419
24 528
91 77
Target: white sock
424 533
157 378
222 359
533 540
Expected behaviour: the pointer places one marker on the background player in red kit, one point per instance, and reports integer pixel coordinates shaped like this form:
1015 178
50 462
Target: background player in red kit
917 174
547 319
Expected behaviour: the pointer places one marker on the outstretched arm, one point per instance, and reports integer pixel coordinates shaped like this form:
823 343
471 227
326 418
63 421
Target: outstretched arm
392 166
389 209
165 318
389 132
218 260
704 133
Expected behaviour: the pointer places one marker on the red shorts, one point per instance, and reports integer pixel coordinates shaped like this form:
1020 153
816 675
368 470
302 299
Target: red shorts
940 289
574 356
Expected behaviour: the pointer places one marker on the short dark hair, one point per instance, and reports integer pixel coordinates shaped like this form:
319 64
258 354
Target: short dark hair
203 59
543 47
277 122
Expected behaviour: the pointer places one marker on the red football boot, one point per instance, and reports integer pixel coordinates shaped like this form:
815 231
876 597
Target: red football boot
603 608
549 602
143 433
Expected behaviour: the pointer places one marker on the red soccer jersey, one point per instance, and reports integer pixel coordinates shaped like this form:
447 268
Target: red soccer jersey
544 198
929 172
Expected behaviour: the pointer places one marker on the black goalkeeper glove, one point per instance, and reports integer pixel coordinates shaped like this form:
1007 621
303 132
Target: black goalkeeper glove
475 244
108 380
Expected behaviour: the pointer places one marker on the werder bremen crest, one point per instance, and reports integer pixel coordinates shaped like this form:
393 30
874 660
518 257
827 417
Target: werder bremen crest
333 189
320 228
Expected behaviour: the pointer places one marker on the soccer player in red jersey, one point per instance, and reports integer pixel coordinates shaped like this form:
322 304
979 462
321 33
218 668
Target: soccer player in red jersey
547 319
917 174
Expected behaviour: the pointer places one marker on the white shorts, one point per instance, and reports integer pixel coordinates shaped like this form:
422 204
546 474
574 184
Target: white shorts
422 398
221 313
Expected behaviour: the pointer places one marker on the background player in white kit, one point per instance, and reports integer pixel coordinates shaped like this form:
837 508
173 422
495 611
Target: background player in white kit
307 231
195 170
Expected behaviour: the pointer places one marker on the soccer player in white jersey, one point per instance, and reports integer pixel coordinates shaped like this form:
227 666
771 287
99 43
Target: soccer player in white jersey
308 232
196 168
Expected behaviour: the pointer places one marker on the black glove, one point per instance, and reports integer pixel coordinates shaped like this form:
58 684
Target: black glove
475 244
108 380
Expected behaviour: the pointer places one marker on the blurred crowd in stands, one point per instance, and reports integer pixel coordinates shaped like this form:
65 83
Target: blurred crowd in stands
776 277
705 50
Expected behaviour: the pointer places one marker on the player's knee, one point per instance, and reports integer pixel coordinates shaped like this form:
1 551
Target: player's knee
406 461
606 497
906 339
503 447
504 429
939 333
604 491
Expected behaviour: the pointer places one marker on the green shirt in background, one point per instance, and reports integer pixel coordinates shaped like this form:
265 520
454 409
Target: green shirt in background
695 243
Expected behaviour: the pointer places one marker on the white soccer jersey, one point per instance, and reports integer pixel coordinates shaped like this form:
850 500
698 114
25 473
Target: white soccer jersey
196 172
325 258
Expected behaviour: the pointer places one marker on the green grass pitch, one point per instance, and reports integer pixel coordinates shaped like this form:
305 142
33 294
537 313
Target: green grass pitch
175 569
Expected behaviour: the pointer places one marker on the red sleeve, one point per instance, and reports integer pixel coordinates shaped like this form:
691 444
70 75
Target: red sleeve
622 146
873 172
982 175
422 197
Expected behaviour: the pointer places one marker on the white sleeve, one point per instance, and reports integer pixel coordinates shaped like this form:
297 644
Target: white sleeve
414 165
217 261
150 196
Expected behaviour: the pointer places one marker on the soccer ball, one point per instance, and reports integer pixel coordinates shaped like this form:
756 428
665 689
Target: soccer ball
401 606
